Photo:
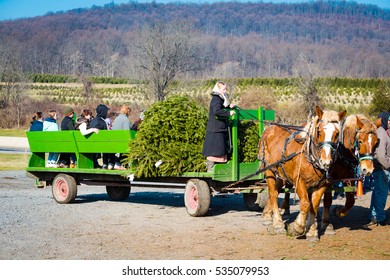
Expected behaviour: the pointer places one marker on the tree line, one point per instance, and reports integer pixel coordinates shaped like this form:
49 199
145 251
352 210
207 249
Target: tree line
225 40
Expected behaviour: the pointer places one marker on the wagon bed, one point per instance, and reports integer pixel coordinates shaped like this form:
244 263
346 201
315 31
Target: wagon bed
198 186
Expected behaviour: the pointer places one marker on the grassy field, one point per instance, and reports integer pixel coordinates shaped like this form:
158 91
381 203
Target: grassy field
13 132
13 161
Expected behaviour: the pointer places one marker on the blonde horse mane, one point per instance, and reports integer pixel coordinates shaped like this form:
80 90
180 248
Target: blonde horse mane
328 116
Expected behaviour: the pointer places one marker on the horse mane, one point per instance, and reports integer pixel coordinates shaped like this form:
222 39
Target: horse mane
351 123
328 116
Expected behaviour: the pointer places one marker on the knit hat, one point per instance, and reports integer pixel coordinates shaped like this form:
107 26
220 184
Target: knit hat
68 110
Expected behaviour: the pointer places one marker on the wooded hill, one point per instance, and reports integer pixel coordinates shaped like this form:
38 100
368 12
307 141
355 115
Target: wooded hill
230 40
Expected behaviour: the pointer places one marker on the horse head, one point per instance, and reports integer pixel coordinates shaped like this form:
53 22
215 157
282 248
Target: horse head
366 141
325 135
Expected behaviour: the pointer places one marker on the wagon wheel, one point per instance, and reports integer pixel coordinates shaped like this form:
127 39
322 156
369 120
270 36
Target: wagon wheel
255 201
117 193
64 188
197 197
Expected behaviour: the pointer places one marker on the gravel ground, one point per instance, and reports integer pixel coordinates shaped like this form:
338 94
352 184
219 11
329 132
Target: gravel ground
153 224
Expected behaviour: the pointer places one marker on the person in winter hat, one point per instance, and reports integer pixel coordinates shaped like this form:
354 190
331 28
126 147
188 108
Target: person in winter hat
381 175
67 123
100 123
101 114
216 144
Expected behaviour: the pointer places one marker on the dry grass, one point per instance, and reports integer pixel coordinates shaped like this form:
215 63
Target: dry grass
13 161
13 132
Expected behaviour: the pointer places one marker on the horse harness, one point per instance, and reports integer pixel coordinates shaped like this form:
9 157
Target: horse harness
357 156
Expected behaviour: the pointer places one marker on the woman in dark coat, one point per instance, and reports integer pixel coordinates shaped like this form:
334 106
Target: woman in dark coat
215 146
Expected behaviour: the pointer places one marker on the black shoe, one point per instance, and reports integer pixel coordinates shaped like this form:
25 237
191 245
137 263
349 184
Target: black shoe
383 223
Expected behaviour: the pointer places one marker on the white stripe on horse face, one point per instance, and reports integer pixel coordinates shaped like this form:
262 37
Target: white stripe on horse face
370 146
329 130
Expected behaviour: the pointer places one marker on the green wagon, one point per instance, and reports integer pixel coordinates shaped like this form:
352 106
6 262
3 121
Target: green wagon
198 187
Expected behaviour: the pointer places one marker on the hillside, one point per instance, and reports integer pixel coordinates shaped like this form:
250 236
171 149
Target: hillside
229 40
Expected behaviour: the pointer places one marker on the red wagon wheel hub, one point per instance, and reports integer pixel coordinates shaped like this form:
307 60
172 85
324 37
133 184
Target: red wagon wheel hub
193 198
62 188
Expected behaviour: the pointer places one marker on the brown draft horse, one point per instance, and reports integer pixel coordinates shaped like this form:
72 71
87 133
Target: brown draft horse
301 163
358 141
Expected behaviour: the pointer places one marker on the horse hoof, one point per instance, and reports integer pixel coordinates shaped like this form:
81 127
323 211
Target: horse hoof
292 230
280 230
285 212
338 212
267 222
312 238
327 229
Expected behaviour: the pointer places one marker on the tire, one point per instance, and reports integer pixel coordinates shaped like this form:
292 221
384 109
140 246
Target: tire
64 189
118 193
197 197
250 200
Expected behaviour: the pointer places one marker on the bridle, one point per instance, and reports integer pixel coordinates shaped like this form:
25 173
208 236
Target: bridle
314 148
357 156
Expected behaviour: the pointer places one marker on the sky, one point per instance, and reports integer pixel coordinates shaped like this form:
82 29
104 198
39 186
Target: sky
14 9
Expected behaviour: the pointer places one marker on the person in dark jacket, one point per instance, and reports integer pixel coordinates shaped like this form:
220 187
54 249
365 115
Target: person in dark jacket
216 144
37 122
67 123
101 114
100 123
381 175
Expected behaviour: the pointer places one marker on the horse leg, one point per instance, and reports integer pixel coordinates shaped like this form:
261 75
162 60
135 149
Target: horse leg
273 191
326 226
298 227
312 232
285 207
342 211
267 214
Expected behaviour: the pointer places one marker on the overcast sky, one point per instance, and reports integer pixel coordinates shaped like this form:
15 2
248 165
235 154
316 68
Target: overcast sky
13 9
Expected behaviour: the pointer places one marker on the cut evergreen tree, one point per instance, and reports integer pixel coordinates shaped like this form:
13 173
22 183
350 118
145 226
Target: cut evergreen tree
170 140
172 133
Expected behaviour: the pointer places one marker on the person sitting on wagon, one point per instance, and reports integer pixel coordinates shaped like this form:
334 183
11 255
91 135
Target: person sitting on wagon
122 122
100 123
138 122
50 124
67 123
83 123
37 122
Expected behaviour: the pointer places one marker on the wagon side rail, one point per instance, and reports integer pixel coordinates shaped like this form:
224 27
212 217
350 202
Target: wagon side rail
84 147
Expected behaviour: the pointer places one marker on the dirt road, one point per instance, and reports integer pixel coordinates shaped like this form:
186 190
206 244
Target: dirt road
153 224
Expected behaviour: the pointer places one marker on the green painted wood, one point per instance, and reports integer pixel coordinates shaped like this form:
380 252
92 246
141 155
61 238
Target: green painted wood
117 141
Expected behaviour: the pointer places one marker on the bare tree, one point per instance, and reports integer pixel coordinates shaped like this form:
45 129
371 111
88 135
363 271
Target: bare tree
305 81
163 52
88 92
13 86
